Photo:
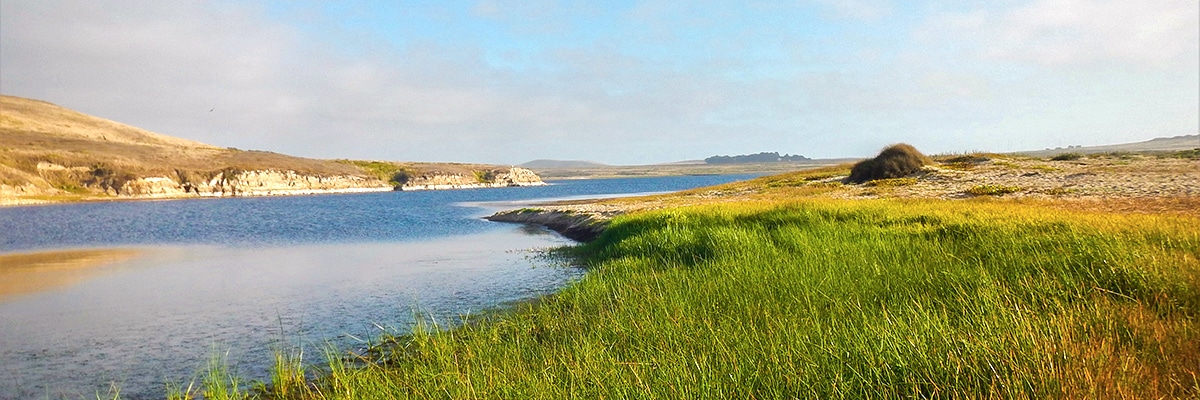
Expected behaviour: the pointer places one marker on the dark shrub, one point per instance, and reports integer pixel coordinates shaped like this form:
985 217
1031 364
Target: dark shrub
1067 157
896 161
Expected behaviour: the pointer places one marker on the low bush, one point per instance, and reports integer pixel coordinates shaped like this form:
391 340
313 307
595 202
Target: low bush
1067 157
896 161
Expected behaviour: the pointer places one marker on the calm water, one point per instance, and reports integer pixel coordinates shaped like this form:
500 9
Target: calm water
238 276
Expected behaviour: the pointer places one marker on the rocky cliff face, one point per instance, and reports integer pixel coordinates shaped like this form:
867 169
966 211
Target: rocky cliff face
500 177
244 183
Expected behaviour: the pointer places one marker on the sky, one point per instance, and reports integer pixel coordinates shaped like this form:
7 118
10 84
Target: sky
618 82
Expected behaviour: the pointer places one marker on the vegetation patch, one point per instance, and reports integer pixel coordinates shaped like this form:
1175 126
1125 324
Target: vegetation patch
830 185
392 173
971 158
1121 155
993 190
1060 191
967 161
896 161
1044 168
485 176
892 182
1193 154
1067 157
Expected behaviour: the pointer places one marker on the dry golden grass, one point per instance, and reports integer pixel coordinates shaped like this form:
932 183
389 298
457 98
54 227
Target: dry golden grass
51 153
52 121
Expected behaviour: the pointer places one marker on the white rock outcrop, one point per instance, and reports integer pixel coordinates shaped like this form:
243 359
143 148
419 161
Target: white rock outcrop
498 178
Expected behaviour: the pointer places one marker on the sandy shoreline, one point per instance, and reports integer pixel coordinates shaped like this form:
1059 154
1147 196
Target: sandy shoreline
32 272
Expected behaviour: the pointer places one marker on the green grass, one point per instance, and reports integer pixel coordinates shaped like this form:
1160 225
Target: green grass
891 182
385 171
992 190
485 176
219 383
832 299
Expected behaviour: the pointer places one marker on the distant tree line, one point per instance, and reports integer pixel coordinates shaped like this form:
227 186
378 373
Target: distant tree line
754 158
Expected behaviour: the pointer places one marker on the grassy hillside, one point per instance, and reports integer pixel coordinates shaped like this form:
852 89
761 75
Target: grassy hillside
52 153
74 149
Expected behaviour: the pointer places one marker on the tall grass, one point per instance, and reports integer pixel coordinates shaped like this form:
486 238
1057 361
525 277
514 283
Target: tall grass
833 299
219 382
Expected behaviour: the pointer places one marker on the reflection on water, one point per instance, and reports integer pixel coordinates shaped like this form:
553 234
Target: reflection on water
158 316
35 272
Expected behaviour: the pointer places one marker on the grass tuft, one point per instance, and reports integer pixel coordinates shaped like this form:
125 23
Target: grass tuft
993 190
219 383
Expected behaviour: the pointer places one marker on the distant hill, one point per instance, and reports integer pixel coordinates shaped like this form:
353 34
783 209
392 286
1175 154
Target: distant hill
549 164
755 158
1177 143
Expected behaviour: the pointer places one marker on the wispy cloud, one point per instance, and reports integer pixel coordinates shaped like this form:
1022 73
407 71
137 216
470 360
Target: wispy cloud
1080 32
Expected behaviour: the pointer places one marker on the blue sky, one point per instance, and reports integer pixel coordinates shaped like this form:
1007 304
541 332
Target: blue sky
630 82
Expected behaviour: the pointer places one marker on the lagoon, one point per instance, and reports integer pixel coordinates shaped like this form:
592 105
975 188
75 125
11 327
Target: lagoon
239 276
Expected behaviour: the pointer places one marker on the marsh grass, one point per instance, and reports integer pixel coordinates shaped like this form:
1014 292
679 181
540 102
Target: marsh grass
832 299
221 383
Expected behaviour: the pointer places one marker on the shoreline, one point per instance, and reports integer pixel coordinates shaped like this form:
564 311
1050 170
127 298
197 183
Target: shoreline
580 227
67 199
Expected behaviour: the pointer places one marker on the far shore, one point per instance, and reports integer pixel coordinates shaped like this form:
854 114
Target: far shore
32 272
18 201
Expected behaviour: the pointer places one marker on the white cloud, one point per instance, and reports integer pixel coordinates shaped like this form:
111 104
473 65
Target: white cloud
1068 33
858 9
